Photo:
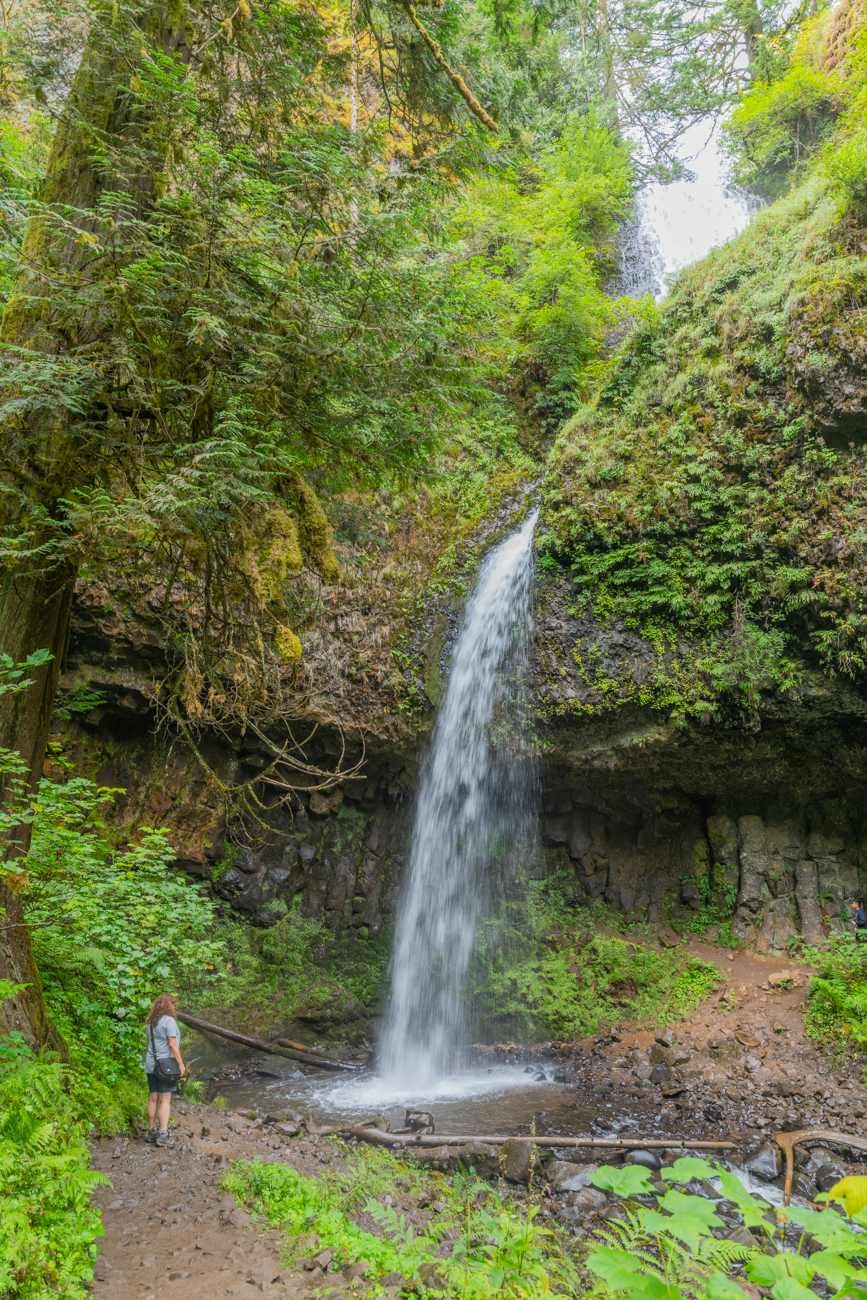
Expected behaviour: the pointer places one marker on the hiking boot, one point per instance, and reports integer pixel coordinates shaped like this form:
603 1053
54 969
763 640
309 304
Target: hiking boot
152 1135
163 1139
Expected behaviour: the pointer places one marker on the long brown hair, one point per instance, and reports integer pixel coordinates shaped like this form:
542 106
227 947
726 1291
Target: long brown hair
164 1006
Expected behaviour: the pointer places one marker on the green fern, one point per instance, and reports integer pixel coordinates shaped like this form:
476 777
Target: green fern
47 1225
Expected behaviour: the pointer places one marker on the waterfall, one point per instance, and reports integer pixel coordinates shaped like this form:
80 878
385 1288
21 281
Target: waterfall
475 821
674 225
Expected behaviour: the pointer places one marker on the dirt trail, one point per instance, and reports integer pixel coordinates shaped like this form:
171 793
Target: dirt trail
170 1231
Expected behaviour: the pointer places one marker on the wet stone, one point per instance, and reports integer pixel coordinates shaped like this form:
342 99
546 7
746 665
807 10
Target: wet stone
766 1162
804 1187
646 1159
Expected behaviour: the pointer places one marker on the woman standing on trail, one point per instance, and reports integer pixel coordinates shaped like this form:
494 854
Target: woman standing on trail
163 1066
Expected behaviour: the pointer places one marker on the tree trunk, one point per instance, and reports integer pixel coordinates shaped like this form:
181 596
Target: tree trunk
44 455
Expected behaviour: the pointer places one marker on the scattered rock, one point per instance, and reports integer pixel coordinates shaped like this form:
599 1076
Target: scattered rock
239 1218
516 1160
830 1174
357 1270
668 938
743 1237
785 979
802 1186
307 1241
667 1038
766 1162
566 1177
646 1159
481 1156
661 1074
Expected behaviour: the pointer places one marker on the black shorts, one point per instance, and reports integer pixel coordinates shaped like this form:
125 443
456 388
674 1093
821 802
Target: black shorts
157 1084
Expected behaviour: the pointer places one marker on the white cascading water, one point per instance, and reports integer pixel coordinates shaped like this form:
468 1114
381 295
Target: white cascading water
475 822
675 225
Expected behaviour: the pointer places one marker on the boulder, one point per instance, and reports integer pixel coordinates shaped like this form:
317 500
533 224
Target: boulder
516 1162
661 1074
804 1187
829 1174
766 1162
667 1038
586 1200
563 1176
658 1054
791 978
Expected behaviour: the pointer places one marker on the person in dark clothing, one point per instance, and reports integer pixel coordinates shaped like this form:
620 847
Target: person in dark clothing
860 922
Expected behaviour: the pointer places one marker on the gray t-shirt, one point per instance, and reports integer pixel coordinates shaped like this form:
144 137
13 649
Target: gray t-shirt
166 1028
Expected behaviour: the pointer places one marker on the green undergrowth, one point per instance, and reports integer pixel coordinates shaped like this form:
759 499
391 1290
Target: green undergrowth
48 1229
669 1244
578 969
294 971
494 1246
711 497
837 1004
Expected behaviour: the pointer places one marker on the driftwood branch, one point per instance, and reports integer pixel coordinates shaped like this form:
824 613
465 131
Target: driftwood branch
788 1142
376 1136
294 1054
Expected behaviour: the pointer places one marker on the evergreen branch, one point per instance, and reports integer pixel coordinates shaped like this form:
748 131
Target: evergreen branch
454 77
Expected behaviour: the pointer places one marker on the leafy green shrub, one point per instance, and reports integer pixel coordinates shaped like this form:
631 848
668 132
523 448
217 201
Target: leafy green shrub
497 1249
565 982
47 1226
778 127
670 1252
837 1006
112 929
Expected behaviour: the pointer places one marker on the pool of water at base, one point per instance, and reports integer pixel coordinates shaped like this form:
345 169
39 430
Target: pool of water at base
476 1102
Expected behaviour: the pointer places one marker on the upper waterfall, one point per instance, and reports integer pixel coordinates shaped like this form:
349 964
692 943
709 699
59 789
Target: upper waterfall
476 816
674 225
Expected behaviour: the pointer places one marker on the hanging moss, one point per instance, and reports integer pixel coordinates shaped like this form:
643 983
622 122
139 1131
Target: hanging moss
272 554
313 528
287 643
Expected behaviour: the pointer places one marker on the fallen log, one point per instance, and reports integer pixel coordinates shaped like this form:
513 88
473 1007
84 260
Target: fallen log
788 1141
379 1138
305 1057
314 1051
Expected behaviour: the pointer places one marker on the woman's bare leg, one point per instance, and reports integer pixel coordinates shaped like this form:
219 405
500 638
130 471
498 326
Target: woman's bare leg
165 1108
153 1103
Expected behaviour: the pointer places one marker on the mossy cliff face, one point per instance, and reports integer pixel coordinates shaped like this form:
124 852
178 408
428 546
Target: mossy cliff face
702 632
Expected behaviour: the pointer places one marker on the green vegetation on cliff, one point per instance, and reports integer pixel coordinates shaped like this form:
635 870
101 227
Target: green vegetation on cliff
712 497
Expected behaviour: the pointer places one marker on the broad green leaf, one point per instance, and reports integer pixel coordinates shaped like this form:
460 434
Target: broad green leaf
687 1168
852 1191
690 1229
837 1270
697 1207
790 1289
752 1209
828 1228
620 1271
765 1270
720 1287
628 1181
